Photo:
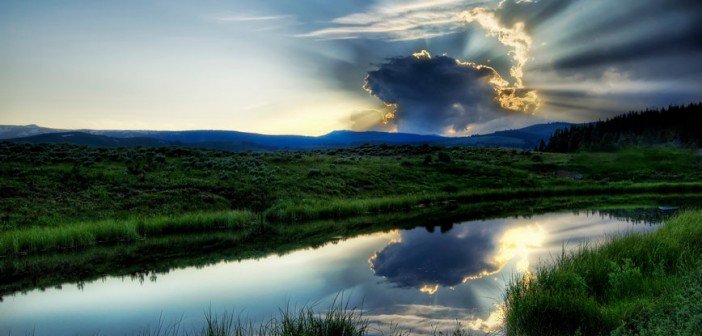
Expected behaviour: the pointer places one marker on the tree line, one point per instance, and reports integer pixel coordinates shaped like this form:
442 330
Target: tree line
674 125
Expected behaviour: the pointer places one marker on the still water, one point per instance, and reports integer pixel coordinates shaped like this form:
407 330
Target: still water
419 279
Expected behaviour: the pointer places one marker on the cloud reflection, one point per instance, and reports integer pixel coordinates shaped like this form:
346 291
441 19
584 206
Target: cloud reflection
427 259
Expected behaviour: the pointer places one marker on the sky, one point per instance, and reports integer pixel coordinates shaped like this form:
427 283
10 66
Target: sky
452 67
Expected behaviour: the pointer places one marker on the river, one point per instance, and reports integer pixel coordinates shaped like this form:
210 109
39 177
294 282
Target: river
418 279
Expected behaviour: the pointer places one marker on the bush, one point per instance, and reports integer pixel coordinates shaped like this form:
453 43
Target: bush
444 157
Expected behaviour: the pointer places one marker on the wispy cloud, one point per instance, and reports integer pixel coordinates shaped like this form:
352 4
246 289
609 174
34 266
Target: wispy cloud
417 20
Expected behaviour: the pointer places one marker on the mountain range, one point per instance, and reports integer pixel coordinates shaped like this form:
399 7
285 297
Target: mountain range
523 138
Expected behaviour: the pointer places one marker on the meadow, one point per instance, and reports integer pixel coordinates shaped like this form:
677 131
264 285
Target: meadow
59 197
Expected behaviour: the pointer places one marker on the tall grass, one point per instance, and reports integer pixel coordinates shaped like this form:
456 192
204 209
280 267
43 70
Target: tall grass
339 208
295 210
82 234
338 320
194 222
596 290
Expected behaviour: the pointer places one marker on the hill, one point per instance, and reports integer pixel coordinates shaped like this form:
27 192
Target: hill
87 139
20 131
525 138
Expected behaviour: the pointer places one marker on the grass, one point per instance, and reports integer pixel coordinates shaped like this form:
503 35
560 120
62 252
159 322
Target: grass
637 284
338 320
55 185
291 216
83 234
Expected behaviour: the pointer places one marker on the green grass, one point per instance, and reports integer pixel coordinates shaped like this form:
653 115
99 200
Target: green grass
636 284
291 210
55 185
285 215
83 234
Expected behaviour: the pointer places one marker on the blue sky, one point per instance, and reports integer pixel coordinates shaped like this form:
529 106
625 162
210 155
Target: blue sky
300 67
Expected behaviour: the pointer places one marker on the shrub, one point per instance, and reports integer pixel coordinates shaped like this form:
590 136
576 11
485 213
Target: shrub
444 157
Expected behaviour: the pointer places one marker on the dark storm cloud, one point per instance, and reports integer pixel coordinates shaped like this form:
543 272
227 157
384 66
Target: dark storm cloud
360 55
425 259
569 45
438 94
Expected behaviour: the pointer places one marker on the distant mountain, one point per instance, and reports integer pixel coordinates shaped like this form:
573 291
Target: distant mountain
211 136
531 136
525 138
12 131
359 138
96 140
87 139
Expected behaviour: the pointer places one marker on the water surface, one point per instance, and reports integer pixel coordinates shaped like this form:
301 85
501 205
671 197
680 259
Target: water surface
420 279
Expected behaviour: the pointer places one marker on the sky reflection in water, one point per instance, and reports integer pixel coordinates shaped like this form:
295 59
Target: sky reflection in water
417 278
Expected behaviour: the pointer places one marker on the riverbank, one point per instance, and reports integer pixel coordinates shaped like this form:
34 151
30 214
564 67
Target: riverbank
647 284
160 252
80 235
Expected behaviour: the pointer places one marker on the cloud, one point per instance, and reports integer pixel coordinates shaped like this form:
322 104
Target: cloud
398 22
563 49
443 95
439 94
514 37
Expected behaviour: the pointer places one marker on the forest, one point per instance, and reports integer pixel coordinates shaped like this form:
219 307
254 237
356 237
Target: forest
674 125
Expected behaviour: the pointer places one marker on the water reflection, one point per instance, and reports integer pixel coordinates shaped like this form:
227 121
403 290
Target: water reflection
427 259
465 268
422 259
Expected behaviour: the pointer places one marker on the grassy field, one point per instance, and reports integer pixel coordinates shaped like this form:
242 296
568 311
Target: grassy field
56 197
648 284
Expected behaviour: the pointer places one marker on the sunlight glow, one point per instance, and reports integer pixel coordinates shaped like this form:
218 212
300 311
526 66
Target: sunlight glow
429 289
515 38
490 324
518 243
515 243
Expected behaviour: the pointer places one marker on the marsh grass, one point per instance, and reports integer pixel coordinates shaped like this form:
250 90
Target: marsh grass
620 285
339 320
292 217
195 222
296 210
83 234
